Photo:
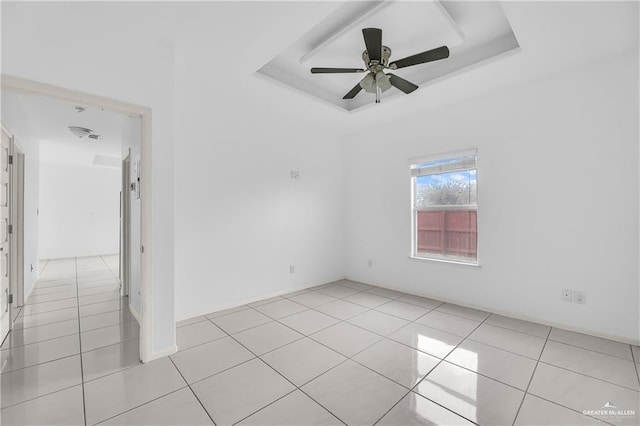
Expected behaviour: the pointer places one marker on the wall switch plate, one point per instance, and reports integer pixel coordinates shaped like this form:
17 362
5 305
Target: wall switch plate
370 263
295 174
579 297
567 294
292 269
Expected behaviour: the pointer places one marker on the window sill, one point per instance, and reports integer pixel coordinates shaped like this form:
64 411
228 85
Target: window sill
455 262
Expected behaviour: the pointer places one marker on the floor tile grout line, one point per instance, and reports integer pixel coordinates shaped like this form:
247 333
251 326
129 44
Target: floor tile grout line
84 405
260 409
472 339
569 408
277 372
421 396
507 328
113 372
280 374
195 382
591 377
141 405
111 344
311 289
347 358
192 391
535 368
40 396
68 307
297 331
48 323
440 362
105 312
41 363
592 350
55 300
51 292
39 341
635 363
107 326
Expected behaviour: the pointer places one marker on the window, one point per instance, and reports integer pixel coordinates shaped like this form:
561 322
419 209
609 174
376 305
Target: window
445 208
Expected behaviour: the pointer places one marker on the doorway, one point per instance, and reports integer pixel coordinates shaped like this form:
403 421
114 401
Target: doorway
143 157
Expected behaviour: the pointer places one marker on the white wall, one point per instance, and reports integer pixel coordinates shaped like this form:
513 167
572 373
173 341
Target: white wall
15 118
79 210
557 193
240 219
56 44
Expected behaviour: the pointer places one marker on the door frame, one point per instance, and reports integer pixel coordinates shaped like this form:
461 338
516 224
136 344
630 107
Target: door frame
16 218
22 85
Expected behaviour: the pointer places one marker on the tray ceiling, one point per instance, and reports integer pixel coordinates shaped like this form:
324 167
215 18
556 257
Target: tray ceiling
473 31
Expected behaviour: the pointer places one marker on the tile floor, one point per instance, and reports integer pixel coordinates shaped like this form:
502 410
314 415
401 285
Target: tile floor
341 353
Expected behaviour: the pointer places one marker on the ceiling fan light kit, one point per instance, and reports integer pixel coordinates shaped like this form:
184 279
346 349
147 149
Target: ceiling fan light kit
376 59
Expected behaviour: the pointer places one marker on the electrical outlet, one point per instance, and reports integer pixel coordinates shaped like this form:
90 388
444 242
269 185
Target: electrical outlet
370 263
567 294
295 174
292 269
579 297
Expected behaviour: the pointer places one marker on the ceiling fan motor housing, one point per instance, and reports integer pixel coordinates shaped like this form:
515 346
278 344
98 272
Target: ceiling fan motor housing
386 54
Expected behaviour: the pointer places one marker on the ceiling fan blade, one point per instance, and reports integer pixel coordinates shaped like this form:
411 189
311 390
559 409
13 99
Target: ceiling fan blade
335 70
353 92
401 84
421 58
373 41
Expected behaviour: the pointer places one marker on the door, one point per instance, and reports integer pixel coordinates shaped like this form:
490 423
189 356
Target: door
125 229
5 314
16 222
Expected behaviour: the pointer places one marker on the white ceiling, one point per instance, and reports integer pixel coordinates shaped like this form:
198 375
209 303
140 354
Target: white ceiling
49 121
234 39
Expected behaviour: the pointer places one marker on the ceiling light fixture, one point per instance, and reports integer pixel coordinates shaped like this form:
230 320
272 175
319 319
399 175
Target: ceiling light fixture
80 131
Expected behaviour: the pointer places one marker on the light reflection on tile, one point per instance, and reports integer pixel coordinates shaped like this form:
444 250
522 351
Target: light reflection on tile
506 367
426 339
475 397
414 410
397 362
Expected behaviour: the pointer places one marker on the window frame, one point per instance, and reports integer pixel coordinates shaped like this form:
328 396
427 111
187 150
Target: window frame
414 210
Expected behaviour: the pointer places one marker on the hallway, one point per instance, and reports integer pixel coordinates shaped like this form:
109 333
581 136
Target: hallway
75 328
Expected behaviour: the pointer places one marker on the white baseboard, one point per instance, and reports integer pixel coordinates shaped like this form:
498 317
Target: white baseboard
554 324
256 299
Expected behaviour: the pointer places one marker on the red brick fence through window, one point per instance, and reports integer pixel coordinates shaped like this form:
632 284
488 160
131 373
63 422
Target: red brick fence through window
448 232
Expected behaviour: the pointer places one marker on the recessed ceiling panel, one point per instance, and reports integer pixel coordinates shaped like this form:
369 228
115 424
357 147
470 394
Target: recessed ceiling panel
473 31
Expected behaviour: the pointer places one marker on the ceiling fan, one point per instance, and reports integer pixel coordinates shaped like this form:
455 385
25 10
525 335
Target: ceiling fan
376 59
